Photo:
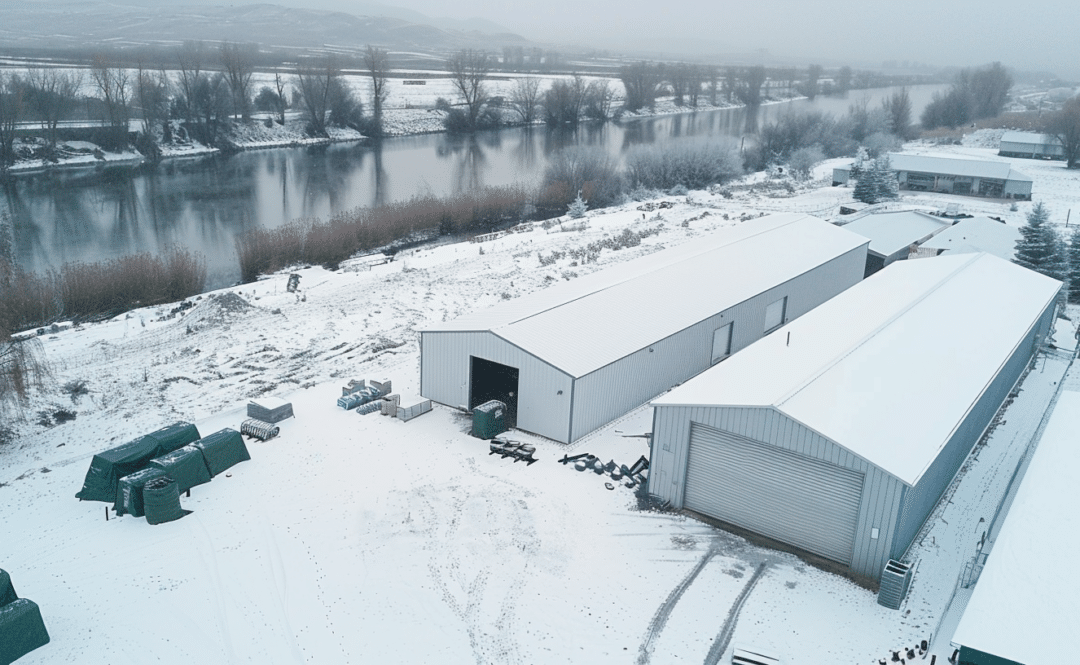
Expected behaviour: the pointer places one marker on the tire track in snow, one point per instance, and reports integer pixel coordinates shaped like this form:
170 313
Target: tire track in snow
723 638
663 613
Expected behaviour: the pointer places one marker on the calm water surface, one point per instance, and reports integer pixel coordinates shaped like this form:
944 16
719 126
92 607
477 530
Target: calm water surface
204 203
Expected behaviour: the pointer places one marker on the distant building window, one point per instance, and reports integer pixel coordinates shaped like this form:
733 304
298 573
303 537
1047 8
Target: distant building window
774 314
721 343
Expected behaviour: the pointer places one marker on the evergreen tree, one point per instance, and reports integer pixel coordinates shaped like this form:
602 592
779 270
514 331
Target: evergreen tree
887 184
577 207
866 186
1035 248
1074 266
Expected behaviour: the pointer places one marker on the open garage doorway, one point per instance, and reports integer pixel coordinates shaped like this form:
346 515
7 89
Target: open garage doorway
490 380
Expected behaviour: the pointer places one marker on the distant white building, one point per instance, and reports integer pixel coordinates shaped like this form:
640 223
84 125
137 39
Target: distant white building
976 234
951 175
893 234
1030 145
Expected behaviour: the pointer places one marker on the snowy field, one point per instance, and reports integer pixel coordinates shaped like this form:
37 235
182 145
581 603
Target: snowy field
366 539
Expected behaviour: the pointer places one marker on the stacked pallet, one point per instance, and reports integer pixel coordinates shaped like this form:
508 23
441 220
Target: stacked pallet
269 409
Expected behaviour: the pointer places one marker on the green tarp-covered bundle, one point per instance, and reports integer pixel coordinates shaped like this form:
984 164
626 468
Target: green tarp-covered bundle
7 590
108 467
185 465
21 627
161 501
223 449
21 630
129 495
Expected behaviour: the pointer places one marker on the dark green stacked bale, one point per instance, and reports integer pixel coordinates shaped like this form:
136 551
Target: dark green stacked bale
161 501
222 450
107 468
129 494
21 630
7 590
175 436
184 465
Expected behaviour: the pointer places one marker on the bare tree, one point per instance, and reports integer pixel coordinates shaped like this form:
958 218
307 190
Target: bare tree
190 61
525 98
642 81
11 103
564 101
279 87
315 83
897 109
22 367
695 78
113 83
813 74
468 69
598 99
377 64
712 75
749 86
238 62
1065 127
53 96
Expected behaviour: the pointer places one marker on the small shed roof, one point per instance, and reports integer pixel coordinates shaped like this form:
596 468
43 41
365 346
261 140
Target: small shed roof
589 322
977 234
855 369
891 232
1030 138
1027 600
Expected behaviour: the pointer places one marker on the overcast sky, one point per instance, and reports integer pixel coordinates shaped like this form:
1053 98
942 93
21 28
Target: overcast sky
1029 34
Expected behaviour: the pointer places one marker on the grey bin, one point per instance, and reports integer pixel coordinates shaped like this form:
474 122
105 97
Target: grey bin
489 420
894 584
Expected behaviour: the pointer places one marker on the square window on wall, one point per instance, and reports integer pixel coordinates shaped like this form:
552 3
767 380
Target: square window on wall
775 313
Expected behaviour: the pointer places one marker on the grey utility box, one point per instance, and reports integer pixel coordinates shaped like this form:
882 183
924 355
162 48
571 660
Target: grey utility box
894 584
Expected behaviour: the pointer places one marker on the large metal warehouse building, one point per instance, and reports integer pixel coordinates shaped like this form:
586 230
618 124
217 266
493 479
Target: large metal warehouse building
1026 605
837 434
575 356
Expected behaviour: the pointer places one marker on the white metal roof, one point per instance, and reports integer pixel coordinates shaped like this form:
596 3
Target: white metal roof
589 322
1029 138
1026 604
977 234
973 168
890 367
891 232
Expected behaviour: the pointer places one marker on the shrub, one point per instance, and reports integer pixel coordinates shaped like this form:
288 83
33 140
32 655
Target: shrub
803 160
692 164
592 173
365 229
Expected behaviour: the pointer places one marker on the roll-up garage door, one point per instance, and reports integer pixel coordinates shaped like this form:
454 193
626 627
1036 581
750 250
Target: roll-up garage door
785 496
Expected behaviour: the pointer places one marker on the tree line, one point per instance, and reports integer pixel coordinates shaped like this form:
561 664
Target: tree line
211 85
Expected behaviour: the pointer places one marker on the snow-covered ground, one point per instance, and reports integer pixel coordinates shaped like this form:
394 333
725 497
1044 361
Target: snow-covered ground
366 539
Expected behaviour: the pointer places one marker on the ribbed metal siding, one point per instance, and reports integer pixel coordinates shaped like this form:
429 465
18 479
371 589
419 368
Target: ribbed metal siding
611 391
788 497
920 500
444 378
881 493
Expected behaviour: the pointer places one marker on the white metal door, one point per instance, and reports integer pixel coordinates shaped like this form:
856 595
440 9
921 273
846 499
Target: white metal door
785 496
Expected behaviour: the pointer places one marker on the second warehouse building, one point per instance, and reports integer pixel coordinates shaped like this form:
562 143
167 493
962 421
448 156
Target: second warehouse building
838 434
573 357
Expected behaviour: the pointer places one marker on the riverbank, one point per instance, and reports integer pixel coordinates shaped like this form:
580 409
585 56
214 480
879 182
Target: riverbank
261 132
255 134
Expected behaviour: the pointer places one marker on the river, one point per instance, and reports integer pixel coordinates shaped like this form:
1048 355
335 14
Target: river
90 214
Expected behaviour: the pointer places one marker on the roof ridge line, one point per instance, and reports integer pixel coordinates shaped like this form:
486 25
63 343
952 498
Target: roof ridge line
814 376
637 275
